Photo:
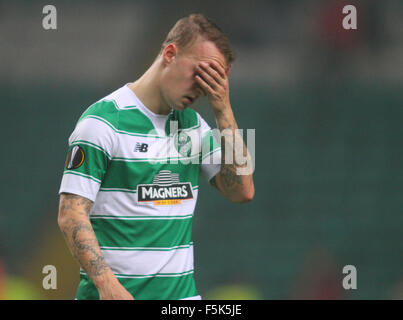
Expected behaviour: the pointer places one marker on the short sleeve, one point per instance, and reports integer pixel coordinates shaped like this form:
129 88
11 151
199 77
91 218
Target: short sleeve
90 150
210 151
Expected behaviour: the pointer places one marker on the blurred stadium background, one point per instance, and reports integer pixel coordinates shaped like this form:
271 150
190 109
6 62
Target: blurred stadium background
326 105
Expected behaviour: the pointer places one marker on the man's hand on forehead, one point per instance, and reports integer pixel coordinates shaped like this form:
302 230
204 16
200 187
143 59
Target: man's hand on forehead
212 78
217 66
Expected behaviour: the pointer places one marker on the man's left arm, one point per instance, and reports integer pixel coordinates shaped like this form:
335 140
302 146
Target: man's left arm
234 180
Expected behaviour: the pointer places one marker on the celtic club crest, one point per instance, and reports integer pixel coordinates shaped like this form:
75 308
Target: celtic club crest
183 143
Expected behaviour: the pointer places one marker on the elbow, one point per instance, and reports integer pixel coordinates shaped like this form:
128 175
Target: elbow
64 218
61 220
72 210
246 195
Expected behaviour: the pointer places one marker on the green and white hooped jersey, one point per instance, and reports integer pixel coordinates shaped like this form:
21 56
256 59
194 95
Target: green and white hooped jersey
142 172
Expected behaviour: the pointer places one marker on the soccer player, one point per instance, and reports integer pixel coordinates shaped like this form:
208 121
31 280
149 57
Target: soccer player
127 196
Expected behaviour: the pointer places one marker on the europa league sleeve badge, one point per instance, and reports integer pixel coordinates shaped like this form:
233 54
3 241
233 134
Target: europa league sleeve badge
75 158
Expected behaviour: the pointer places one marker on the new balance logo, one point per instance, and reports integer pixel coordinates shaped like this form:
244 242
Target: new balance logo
141 147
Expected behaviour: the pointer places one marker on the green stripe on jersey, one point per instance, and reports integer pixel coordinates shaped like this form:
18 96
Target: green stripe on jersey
150 288
187 119
105 109
135 122
127 175
140 233
209 143
81 142
131 121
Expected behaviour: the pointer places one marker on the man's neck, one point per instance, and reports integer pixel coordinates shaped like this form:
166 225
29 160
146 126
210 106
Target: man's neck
146 88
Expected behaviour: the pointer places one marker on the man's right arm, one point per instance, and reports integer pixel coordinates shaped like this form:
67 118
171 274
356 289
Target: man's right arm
75 225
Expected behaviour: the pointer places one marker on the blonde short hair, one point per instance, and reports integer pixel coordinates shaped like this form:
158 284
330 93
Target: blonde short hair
186 30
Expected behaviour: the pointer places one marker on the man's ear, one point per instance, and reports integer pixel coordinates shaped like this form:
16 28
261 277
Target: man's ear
169 54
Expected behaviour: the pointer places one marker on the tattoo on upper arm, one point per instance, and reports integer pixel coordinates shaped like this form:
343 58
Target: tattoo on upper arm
70 202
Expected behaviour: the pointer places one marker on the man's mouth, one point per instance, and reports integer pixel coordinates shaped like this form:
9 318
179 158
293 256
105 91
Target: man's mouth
190 99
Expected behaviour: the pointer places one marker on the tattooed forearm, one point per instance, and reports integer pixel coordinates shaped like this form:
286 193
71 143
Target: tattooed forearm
79 234
228 172
235 180
230 177
86 249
